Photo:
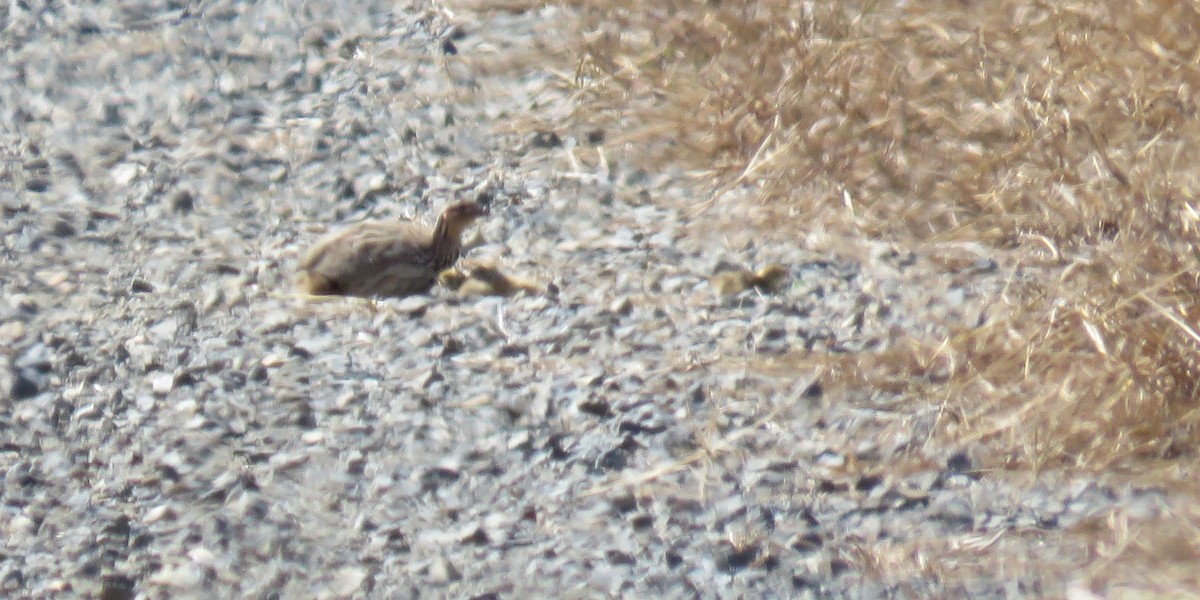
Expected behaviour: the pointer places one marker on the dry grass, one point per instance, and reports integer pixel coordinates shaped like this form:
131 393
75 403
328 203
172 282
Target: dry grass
1059 135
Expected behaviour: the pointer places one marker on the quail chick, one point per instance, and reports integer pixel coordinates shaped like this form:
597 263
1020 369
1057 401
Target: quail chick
487 280
767 280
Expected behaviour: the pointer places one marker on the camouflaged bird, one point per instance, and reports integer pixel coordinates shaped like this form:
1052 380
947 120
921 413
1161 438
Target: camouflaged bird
768 279
485 280
386 258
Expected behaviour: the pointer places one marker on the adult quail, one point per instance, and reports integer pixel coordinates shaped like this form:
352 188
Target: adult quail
386 258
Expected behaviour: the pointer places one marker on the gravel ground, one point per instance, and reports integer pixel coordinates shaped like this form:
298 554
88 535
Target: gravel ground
177 422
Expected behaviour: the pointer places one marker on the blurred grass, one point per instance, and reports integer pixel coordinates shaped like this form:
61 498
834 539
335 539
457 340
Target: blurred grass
1059 137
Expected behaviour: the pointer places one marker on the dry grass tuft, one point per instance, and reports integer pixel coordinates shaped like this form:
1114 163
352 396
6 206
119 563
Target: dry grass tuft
1061 135
1153 559
964 120
1057 134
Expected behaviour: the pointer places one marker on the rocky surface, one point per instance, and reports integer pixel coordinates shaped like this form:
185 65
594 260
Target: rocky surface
177 422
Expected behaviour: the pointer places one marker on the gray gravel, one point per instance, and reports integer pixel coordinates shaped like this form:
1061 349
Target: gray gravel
177 422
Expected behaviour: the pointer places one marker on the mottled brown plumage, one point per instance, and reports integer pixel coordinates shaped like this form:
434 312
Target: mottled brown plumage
386 258
768 279
452 278
487 280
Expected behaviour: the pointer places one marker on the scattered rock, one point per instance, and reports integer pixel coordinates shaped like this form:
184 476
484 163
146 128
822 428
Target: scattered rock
348 581
442 571
546 139
21 384
183 201
162 384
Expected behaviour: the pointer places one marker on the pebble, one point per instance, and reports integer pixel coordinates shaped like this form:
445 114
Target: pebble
162 384
12 331
347 581
413 305
442 571
145 403
20 384
202 556
271 361
20 527
158 513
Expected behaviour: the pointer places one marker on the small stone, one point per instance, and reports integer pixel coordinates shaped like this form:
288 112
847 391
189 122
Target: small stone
54 278
370 184
1079 590
164 331
21 385
604 578
145 403
24 304
37 358
12 581
181 576
183 201
622 306
830 459
734 558
125 173
276 321
546 139
158 513
345 400
623 238
348 581
271 361
284 462
140 286
202 556
613 460
162 384
477 537
313 437
413 305
20 527
954 511
62 228
37 184
814 390
959 462
441 570
805 542
141 353
597 407
213 298
12 331
116 586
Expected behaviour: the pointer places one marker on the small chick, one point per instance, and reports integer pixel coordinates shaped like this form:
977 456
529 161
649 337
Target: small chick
452 278
767 280
485 280
770 278
379 258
